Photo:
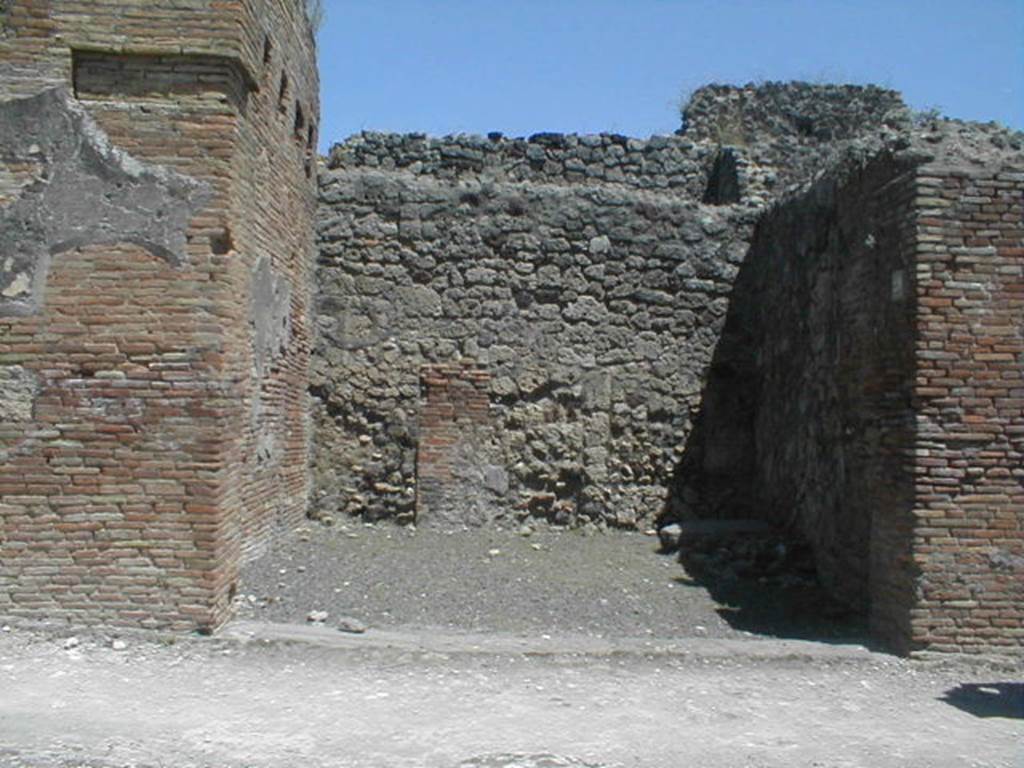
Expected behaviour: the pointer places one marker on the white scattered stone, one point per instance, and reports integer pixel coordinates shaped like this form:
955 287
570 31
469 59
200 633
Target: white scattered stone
317 617
600 244
119 645
71 642
670 536
494 552
5 628
351 625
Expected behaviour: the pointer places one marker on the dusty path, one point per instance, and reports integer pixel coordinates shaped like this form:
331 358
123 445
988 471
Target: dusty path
376 704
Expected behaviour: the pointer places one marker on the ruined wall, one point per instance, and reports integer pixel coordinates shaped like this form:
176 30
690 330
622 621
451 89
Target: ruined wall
787 133
580 273
275 203
138 244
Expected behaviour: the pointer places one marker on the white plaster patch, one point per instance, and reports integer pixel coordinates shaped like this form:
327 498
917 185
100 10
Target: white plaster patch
19 286
18 389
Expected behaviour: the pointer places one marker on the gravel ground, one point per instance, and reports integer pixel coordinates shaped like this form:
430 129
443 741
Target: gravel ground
602 585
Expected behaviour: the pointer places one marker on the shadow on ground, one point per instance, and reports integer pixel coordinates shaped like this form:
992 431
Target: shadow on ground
762 581
988 699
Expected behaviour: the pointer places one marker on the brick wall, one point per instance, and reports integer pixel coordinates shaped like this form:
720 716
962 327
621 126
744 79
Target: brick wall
455 437
968 537
158 325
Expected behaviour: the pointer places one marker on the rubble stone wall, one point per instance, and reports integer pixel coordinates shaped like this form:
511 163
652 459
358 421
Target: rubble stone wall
153 287
594 306
803 307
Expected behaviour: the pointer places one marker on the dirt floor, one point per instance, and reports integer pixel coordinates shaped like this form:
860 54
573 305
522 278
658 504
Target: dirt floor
552 581
495 650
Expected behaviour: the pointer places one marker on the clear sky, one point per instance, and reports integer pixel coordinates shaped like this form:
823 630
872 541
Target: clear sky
585 66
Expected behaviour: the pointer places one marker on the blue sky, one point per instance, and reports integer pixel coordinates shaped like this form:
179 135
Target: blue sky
585 66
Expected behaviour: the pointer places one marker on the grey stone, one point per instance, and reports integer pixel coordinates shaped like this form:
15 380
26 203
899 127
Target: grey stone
496 480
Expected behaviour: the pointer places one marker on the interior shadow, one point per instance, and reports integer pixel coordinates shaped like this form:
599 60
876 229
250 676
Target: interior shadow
988 699
807 417
764 582
763 578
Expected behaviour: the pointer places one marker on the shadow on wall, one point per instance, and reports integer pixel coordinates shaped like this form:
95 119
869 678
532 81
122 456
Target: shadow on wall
764 578
988 699
713 479
803 418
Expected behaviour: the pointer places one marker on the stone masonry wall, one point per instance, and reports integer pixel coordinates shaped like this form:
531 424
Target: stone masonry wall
419 242
142 316
648 355
579 272
588 275
788 133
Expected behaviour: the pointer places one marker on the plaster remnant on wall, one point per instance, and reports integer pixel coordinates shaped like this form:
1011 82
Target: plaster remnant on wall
270 321
269 313
65 186
18 390
267 444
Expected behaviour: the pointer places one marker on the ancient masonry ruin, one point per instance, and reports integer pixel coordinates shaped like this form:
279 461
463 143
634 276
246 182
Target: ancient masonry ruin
805 307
